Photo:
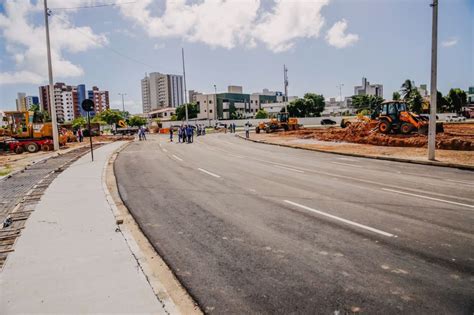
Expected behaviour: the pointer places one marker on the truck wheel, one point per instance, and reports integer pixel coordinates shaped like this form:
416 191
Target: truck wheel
257 130
268 130
32 147
406 128
45 147
384 126
19 149
286 127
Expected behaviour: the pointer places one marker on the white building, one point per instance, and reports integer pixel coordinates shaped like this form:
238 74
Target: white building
163 114
161 90
368 89
21 102
207 106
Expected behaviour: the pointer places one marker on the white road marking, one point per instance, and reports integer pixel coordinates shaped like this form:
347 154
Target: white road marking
159 144
365 227
346 159
178 158
430 198
460 182
164 150
289 168
346 164
209 173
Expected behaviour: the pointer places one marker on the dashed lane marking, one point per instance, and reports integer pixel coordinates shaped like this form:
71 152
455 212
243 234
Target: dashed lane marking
429 198
178 158
209 173
365 227
289 169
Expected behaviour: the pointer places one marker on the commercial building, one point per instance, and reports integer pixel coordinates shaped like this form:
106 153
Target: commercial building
68 100
31 100
470 95
368 89
21 102
192 96
163 114
161 91
234 104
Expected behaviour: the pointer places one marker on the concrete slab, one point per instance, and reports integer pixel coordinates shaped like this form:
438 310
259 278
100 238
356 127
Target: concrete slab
69 258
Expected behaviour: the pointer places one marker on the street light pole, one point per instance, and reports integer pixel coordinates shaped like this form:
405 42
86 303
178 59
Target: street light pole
123 103
215 99
185 92
52 104
434 90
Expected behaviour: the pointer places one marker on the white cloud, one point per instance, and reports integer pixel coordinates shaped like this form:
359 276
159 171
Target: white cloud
336 35
221 23
25 42
450 42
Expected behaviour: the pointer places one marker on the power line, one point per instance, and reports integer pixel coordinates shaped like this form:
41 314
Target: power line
96 6
102 45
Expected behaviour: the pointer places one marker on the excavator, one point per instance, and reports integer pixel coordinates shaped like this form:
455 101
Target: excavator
394 117
283 121
26 130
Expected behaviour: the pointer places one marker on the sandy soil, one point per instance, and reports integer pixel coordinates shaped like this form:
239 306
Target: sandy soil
457 137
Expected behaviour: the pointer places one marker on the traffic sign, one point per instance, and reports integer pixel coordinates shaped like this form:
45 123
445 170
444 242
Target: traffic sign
87 105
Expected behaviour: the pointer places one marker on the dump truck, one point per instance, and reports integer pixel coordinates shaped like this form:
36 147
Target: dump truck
281 122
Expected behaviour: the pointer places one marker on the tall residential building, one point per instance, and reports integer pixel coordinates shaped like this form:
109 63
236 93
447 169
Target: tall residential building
368 89
31 100
192 96
21 102
100 98
68 100
161 90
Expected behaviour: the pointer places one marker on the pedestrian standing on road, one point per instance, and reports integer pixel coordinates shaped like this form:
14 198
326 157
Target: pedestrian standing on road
142 130
180 133
203 130
247 130
189 131
80 135
171 134
233 127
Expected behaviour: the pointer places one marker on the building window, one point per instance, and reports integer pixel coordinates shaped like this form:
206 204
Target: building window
210 111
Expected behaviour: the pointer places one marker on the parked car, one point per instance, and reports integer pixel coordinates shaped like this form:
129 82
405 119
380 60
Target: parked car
327 121
455 118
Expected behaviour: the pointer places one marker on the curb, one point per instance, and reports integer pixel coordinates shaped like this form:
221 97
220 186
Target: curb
385 158
168 290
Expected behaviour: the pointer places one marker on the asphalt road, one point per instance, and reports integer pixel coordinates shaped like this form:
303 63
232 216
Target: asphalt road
254 228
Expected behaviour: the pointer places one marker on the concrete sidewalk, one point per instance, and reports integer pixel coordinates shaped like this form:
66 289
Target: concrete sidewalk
69 258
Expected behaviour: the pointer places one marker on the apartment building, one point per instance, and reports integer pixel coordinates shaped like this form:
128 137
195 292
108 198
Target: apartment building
21 102
161 90
100 98
368 89
68 100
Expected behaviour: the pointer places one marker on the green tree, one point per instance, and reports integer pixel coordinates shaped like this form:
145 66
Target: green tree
34 108
442 104
261 114
415 102
110 117
311 105
407 88
192 111
78 122
396 96
174 118
136 121
457 99
366 102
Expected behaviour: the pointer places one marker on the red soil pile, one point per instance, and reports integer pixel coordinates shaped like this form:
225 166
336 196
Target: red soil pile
454 137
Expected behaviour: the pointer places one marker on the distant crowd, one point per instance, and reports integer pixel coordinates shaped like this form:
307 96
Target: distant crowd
186 133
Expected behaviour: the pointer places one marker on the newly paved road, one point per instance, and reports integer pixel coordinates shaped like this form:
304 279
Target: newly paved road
254 228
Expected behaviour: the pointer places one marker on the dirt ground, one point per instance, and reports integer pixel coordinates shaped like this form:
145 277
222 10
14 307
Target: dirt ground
11 162
455 144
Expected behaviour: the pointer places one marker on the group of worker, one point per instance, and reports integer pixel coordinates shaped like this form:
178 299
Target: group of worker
186 133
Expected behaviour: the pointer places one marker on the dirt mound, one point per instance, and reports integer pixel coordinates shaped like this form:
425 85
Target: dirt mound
455 136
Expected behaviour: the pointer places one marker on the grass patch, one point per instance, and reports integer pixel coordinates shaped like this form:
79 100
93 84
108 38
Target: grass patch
5 170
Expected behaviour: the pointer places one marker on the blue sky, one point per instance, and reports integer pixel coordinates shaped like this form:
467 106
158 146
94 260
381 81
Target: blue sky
386 41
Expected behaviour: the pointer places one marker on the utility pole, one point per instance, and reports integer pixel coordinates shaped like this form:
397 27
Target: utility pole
340 91
434 90
123 103
285 82
185 92
52 104
215 97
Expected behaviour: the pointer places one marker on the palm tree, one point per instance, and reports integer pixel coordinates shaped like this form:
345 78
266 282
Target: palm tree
407 89
396 96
